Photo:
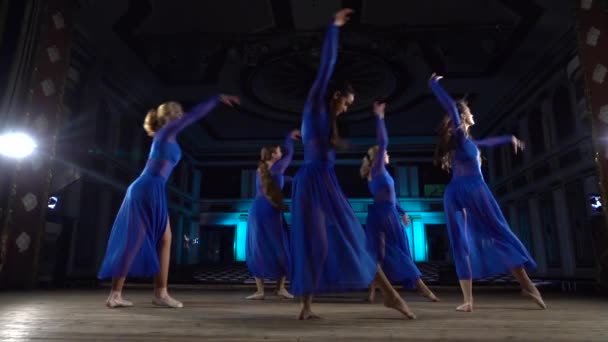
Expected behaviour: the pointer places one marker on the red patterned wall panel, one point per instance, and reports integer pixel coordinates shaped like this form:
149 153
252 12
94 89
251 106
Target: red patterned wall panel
592 29
23 228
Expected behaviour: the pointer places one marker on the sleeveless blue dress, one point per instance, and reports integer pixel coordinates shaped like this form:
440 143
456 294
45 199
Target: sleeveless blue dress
386 237
143 216
267 248
328 245
482 242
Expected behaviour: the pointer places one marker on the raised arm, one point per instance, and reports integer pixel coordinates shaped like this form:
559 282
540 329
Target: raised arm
329 54
446 101
382 139
282 164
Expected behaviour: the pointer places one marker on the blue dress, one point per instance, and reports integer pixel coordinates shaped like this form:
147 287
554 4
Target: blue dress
267 249
385 233
328 245
143 216
482 242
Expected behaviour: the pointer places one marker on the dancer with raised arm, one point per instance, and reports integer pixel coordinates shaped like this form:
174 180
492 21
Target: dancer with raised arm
385 233
328 243
482 241
267 250
140 241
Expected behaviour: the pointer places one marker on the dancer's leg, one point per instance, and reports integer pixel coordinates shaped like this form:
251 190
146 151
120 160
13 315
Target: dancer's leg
421 286
306 312
161 296
115 299
392 299
259 294
371 295
528 287
281 290
135 238
466 285
117 284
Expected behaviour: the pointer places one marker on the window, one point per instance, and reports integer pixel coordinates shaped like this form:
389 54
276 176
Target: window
580 224
550 233
523 222
535 125
562 109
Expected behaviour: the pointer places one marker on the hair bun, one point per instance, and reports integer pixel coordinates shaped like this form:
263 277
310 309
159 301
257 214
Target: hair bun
151 123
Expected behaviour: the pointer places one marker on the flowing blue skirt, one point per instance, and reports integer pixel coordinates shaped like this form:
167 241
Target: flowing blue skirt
139 226
482 241
387 241
267 249
328 244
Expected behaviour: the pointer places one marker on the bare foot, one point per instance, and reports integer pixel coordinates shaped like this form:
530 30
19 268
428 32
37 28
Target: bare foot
283 293
306 314
431 296
398 304
371 296
536 297
256 296
114 302
168 302
466 307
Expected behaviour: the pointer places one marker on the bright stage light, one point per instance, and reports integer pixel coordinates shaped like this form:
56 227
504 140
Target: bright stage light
16 145
53 200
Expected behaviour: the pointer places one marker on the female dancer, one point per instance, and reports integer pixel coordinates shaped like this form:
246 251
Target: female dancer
385 235
327 241
140 241
267 236
482 242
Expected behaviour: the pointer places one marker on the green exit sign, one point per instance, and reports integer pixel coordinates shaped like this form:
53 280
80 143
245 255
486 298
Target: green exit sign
434 190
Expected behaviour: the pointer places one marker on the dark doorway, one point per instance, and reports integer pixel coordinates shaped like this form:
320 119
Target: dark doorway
217 244
438 243
55 251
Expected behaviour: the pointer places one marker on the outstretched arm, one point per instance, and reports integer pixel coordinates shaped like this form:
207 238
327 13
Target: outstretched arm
500 140
382 139
282 164
493 141
173 128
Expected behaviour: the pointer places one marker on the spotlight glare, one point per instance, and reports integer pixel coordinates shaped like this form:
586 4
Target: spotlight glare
16 145
53 200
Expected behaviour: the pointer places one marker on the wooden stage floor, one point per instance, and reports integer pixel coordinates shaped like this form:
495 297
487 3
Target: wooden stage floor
212 315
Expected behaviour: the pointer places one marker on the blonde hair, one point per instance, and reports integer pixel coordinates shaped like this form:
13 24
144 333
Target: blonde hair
368 159
157 118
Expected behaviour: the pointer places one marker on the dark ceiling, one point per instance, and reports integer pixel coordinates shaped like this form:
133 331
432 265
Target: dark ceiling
267 51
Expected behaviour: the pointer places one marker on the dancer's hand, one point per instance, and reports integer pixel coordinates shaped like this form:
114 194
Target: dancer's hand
379 109
230 100
434 78
342 16
406 220
517 144
295 134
